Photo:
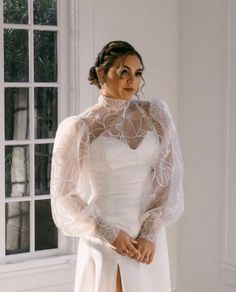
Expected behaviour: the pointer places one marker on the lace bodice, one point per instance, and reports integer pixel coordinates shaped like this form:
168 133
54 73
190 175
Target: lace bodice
121 121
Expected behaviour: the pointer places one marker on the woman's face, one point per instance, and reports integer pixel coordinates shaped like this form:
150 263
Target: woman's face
124 78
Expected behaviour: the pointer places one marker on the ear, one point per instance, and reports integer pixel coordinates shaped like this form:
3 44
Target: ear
101 75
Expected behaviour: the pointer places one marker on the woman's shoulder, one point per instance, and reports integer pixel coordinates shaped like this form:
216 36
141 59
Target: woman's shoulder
70 122
72 126
77 123
154 106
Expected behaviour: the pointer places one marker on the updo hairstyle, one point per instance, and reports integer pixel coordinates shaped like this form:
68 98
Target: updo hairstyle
107 57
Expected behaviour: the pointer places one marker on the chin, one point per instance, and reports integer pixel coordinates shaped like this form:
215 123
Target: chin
127 95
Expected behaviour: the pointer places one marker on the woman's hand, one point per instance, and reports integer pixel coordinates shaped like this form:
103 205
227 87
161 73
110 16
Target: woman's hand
146 249
124 244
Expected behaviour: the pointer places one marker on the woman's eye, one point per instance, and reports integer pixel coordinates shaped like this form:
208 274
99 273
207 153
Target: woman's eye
124 72
139 74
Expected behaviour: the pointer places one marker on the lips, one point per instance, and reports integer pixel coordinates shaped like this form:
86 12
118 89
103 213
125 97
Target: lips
129 89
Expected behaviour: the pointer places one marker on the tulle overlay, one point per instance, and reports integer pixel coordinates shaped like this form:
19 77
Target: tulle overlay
117 165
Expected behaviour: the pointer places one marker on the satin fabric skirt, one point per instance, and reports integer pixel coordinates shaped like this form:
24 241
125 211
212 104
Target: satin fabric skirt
97 266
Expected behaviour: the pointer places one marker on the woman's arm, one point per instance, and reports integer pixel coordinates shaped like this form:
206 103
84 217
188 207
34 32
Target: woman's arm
165 202
69 185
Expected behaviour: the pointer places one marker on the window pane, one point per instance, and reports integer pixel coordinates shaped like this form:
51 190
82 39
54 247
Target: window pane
15 11
45 229
45 101
17 171
45 12
16 63
17 227
45 56
43 154
16 113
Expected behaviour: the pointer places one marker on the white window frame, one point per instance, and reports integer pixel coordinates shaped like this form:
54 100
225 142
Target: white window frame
66 246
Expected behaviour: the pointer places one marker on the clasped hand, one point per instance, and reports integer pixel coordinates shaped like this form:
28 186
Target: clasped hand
139 249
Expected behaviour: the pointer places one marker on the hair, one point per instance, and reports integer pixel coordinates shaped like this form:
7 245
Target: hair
107 57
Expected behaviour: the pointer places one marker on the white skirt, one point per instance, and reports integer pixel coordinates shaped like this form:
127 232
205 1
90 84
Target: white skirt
97 266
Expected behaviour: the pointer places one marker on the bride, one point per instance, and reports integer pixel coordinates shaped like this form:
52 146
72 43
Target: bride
116 180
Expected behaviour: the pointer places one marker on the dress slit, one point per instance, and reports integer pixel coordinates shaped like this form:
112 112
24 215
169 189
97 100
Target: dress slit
118 280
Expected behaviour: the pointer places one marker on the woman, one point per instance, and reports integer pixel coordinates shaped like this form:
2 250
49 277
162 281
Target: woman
116 180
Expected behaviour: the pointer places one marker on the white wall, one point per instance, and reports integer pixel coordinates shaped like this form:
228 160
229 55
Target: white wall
207 234
151 26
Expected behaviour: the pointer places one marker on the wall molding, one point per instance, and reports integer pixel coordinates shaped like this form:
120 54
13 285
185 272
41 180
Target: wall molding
43 274
74 92
228 274
228 264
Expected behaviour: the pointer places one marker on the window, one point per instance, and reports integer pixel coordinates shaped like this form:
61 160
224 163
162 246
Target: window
31 87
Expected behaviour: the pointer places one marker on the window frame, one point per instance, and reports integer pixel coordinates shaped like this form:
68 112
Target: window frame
66 246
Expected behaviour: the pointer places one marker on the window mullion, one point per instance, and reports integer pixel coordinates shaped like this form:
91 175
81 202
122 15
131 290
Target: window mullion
2 177
26 26
18 199
1 12
35 84
2 150
31 123
1 47
32 172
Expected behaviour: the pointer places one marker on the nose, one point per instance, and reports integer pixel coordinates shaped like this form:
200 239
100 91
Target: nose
131 79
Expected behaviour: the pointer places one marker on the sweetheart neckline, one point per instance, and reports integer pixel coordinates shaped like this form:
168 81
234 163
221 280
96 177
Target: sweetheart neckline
126 144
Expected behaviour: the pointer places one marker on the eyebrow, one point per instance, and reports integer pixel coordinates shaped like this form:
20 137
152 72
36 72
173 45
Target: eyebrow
140 69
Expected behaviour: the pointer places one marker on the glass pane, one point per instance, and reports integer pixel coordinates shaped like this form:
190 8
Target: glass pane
17 171
45 101
45 12
45 229
16 55
16 113
17 227
15 11
45 56
43 154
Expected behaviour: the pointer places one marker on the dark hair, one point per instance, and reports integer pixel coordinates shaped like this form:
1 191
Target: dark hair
107 57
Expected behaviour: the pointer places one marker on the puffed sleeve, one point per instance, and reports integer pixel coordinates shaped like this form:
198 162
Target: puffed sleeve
165 203
73 211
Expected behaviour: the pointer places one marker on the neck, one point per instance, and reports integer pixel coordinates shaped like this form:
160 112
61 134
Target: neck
108 95
114 103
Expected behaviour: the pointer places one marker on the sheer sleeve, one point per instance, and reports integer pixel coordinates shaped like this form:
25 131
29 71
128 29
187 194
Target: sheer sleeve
72 208
165 203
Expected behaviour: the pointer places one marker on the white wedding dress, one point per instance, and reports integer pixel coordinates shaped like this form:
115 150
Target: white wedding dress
135 187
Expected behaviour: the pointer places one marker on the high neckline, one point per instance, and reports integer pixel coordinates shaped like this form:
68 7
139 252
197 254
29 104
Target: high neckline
114 103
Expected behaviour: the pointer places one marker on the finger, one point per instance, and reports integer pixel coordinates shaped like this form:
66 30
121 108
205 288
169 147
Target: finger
140 249
138 256
143 257
151 257
125 250
132 249
153 252
150 260
131 255
133 241
122 252
147 258
113 247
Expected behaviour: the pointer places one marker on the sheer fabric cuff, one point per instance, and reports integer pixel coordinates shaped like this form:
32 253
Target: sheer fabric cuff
106 231
150 228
